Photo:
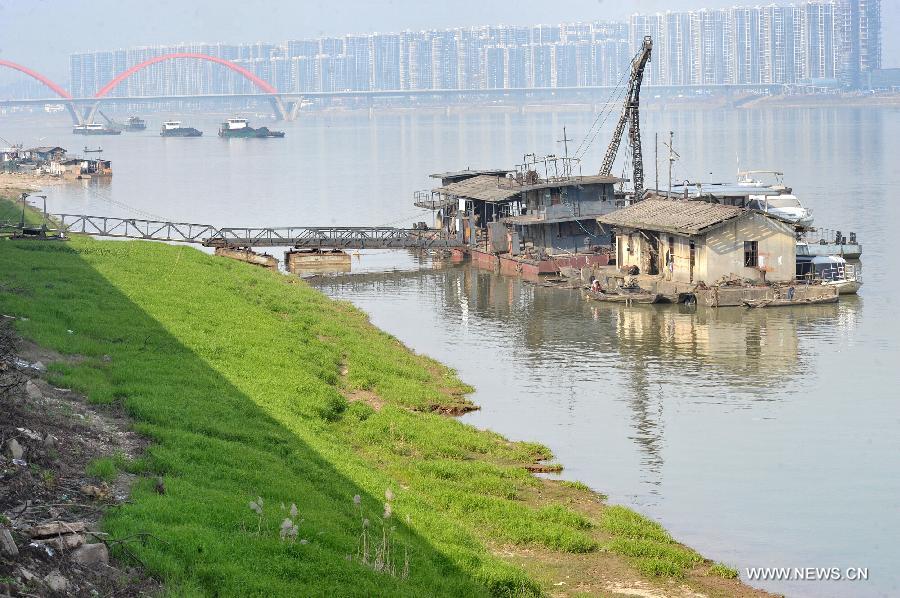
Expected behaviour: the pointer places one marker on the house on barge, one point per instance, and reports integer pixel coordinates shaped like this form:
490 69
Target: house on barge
694 241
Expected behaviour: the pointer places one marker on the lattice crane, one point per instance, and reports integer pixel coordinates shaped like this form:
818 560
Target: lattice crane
631 116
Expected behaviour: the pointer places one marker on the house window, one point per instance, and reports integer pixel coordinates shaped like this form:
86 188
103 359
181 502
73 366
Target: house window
751 254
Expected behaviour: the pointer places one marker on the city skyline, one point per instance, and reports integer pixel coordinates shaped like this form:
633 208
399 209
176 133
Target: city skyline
820 42
40 34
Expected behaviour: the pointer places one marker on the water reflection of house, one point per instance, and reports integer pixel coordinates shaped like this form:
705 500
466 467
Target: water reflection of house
692 241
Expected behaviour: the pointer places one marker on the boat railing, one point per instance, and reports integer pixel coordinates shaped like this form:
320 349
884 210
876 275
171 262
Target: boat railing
825 236
835 272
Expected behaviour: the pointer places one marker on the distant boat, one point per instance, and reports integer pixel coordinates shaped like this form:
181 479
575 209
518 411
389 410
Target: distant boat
88 150
240 127
95 129
789 302
135 124
173 128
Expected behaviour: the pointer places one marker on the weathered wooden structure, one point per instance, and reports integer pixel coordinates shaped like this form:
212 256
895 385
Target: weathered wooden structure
693 241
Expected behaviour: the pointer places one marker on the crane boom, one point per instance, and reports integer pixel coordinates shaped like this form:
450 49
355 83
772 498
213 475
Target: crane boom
631 115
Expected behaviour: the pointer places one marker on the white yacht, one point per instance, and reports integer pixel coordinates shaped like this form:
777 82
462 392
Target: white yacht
782 203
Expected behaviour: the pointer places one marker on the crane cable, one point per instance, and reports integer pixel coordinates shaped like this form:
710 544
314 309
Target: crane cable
614 99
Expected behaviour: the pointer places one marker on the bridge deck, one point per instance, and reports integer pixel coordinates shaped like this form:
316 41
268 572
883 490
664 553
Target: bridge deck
342 237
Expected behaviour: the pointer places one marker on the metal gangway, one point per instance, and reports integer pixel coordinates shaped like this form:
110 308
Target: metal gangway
336 237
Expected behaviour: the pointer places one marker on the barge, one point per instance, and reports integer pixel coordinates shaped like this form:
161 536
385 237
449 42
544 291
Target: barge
240 128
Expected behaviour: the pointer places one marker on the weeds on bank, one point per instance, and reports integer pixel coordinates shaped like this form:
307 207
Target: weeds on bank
654 551
381 556
724 571
108 468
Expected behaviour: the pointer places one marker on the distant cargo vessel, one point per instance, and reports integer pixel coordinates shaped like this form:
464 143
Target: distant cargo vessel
95 129
135 124
240 127
173 128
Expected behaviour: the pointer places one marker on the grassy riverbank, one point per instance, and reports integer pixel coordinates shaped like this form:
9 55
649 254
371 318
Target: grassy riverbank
251 384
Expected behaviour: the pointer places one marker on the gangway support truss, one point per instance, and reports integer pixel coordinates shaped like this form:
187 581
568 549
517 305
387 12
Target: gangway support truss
339 237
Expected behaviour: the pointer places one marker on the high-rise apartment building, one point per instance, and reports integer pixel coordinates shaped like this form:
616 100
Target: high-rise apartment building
810 42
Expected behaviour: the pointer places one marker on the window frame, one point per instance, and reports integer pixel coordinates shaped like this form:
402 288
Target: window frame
751 254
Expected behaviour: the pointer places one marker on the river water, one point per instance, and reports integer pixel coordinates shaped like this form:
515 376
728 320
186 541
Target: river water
768 438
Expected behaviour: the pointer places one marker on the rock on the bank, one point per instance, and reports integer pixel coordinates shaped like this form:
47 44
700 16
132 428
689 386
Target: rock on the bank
91 554
15 449
7 544
31 389
56 582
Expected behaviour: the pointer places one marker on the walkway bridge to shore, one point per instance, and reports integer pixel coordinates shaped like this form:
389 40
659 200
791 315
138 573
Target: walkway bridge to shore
337 237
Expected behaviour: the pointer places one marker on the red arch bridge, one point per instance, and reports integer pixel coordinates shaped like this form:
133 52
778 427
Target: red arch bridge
285 106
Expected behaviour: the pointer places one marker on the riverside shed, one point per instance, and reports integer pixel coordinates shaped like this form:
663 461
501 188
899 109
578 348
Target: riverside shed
692 241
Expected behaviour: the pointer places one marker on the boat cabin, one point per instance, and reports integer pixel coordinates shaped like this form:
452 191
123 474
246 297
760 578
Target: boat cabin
237 123
693 241
555 213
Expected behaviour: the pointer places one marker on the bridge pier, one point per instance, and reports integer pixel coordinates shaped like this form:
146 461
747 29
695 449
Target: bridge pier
286 109
90 113
72 109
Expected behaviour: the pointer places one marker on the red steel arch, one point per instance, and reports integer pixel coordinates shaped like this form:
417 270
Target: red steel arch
263 85
35 75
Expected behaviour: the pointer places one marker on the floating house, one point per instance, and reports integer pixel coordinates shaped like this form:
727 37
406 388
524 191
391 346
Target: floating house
81 168
693 241
47 153
547 215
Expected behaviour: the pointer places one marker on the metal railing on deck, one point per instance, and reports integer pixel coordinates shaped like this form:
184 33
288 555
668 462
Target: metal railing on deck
824 236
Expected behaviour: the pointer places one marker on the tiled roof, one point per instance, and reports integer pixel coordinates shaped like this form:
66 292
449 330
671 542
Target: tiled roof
499 188
672 216
483 187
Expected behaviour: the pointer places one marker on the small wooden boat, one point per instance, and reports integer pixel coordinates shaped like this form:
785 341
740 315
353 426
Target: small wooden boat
88 150
788 302
624 297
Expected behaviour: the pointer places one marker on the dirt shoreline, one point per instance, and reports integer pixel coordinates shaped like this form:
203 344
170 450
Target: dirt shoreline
14 183
50 508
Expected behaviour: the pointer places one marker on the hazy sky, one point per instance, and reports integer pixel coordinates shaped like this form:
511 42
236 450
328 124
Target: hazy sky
42 33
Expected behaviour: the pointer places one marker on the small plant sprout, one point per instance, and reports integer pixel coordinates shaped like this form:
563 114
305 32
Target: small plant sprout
389 495
387 511
293 511
357 499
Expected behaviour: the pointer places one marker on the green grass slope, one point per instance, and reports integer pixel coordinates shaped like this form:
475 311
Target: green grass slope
240 379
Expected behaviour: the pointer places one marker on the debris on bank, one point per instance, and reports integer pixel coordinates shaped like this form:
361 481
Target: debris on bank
50 508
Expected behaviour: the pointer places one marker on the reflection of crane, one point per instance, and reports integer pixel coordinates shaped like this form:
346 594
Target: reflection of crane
631 116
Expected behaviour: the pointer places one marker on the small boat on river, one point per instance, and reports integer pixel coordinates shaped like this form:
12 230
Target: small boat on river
789 302
624 297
